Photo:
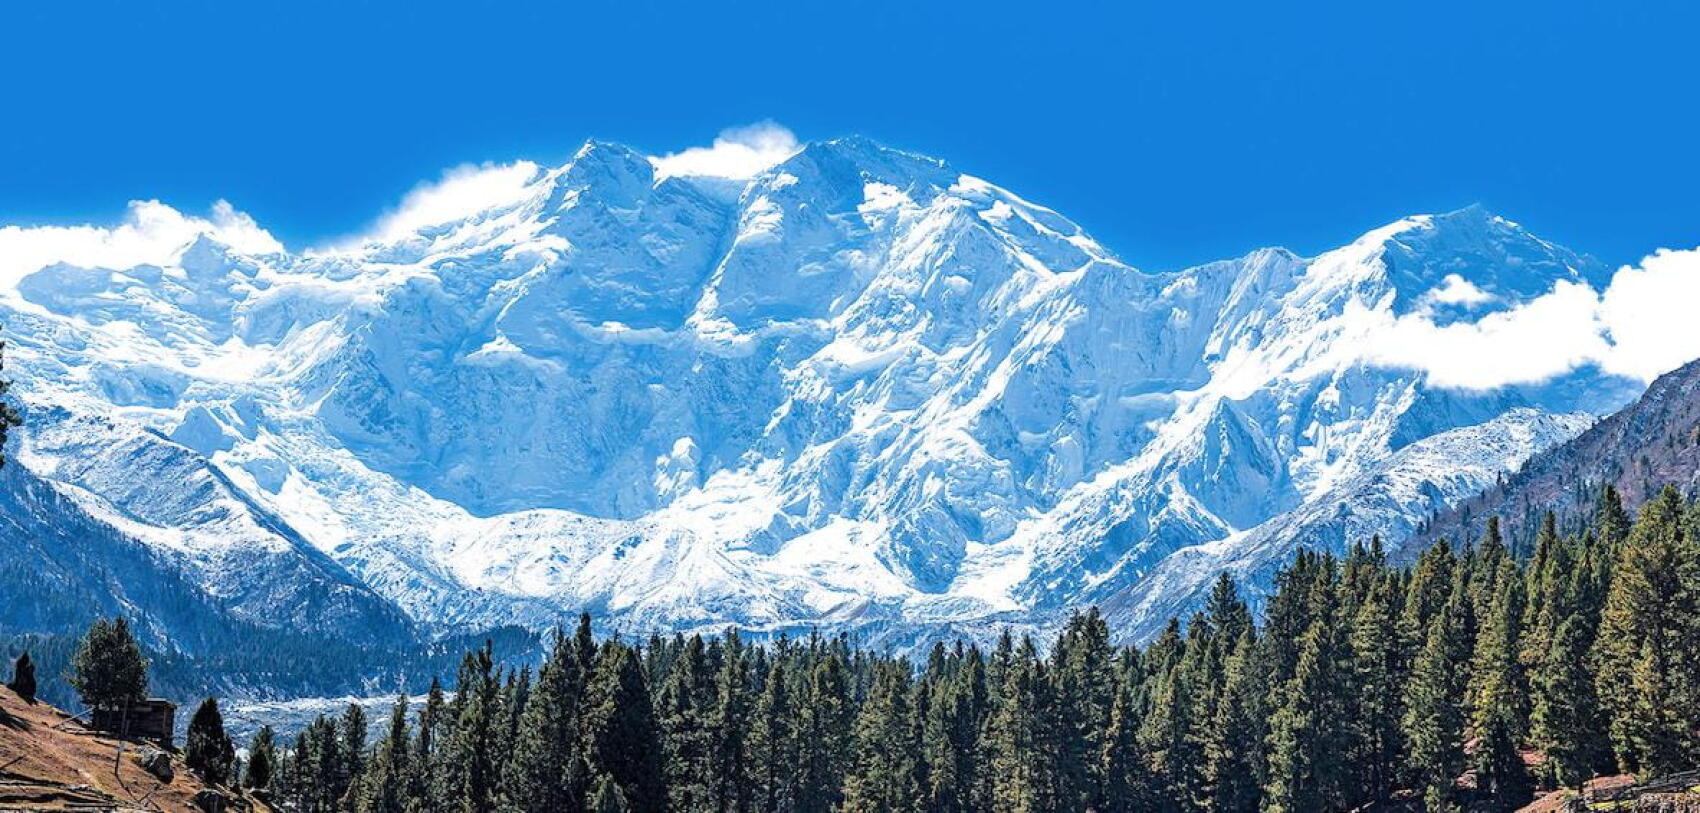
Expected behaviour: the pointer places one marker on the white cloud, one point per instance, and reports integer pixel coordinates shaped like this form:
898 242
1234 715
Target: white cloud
1456 290
737 153
1533 342
1649 314
463 191
150 233
1641 326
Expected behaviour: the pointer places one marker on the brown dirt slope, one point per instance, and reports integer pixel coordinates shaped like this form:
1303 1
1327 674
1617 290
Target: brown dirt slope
49 761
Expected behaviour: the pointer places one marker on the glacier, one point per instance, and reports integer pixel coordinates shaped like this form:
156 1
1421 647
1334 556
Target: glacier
859 391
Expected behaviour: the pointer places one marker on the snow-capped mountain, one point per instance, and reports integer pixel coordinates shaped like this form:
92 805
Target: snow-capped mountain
860 390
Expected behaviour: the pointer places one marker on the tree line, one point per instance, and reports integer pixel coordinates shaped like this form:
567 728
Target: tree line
1467 677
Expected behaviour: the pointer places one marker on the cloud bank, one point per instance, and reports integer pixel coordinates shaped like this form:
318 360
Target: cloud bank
1642 325
150 233
460 193
737 153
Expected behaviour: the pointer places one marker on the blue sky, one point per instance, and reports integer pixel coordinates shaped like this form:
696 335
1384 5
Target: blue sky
1175 132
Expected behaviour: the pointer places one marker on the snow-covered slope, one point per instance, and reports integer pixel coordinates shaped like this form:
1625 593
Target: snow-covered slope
859 390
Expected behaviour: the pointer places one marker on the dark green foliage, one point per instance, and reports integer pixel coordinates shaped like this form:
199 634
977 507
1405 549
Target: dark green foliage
1084 691
1566 722
1377 660
955 689
823 731
108 670
1120 762
1649 642
471 768
621 738
885 769
262 757
353 746
1308 734
539 774
207 749
1022 737
1232 755
728 729
23 677
1499 698
773 743
1433 724
1366 684
384 786
683 706
608 798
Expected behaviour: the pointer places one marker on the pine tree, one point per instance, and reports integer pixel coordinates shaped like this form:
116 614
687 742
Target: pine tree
1084 690
262 756
949 730
207 749
1287 617
23 675
383 786
1376 660
1566 723
1433 724
823 731
298 775
1540 576
1232 748
353 750
538 777
584 645
1173 771
728 725
1229 616
1646 641
1121 762
1498 696
108 669
1430 585
773 743
471 772
621 738
1611 522
607 797
1305 739
1022 738
884 773
515 696
683 706
428 773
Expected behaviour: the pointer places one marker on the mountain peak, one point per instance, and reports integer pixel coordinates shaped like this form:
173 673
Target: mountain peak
854 388
857 159
613 168
1471 258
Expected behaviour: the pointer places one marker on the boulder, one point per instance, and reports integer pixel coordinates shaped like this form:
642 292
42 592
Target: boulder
155 762
212 801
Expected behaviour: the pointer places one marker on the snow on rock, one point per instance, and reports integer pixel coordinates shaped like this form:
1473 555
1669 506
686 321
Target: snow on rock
857 390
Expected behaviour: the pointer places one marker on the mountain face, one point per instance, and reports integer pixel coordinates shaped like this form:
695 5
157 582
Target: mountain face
1640 449
859 391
